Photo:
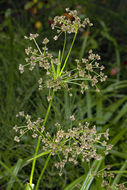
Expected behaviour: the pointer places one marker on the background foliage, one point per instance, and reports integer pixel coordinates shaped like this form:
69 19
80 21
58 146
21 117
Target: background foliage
108 109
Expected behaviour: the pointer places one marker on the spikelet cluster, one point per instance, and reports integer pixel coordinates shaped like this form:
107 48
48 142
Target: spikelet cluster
79 141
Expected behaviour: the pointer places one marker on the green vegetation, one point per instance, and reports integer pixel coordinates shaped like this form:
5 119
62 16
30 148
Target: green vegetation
106 109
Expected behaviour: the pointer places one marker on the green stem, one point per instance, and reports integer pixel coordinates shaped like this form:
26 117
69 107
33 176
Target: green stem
91 174
38 143
69 52
39 179
39 155
65 39
37 46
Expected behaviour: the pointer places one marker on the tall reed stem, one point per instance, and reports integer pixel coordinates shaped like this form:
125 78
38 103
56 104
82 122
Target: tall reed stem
38 143
42 172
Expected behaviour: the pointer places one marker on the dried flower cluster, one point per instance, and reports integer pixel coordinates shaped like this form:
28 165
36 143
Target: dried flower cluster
57 75
88 71
68 145
34 127
70 24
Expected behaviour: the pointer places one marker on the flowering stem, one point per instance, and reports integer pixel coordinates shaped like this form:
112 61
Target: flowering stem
69 52
65 39
38 143
46 163
37 46
91 174
39 155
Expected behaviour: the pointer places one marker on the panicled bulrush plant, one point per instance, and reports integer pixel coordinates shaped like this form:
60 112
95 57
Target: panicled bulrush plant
77 141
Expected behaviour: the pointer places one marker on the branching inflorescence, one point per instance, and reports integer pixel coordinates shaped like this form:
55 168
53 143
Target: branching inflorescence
69 145
86 69
79 141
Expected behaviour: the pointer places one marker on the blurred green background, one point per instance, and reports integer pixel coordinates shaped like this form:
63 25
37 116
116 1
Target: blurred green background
19 92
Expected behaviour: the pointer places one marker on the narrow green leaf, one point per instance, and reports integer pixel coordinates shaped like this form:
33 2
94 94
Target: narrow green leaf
67 107
112 108
117 178
119 154
11 173
39 155
75 182
115 86
84 45
15 172
53 68
99 108
59 65
89 104
119 136
122 112
118 171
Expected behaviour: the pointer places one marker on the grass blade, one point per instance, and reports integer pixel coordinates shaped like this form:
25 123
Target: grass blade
121 113
39 155
11 173
77 181
117 178
99 109
15 172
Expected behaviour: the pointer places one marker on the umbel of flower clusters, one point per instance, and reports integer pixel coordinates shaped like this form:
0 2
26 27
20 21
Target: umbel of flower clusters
84 73
81 140
67 25
68 145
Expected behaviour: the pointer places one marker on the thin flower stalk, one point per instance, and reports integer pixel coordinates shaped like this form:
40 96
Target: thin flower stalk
42 172
39 140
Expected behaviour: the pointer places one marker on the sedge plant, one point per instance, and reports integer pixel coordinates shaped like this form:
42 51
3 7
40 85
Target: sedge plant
79 142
